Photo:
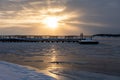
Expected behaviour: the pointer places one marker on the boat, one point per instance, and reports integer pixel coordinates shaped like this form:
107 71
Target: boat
88 41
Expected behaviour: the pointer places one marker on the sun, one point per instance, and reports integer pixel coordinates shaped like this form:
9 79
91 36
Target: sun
51 22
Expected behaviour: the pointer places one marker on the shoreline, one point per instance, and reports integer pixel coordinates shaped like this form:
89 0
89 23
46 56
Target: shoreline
11 71
59 74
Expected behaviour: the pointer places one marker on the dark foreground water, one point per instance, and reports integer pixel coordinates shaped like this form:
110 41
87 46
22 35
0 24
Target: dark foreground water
66 61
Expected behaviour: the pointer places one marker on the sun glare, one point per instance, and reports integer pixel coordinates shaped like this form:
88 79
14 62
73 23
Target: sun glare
51 22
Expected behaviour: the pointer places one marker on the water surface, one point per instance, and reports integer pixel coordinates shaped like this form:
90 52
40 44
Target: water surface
64 60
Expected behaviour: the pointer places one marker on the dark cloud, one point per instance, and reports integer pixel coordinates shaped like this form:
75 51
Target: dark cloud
104 12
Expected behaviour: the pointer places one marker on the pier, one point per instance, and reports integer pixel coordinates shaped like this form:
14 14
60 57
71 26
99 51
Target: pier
41 38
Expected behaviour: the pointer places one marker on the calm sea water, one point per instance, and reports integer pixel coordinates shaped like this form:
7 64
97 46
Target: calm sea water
65 61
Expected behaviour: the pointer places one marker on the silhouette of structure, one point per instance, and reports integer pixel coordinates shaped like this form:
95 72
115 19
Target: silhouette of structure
41 38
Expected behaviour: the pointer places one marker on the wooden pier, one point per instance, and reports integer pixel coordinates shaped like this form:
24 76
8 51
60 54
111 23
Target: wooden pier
41 38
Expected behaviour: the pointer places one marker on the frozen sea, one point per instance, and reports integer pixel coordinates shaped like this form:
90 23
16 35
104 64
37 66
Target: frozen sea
68 61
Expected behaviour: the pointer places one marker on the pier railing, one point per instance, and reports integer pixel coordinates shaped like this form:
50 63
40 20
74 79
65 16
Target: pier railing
41 38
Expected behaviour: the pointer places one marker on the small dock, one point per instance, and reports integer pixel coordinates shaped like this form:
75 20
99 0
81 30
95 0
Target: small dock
41 38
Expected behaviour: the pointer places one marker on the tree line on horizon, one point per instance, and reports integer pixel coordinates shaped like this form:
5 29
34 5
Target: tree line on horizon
107 35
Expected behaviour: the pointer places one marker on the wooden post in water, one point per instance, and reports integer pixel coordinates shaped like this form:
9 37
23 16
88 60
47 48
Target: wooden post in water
81 36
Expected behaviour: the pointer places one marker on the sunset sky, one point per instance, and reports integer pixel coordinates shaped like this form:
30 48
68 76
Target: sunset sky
59 17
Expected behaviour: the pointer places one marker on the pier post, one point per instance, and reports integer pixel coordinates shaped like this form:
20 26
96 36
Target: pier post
81 36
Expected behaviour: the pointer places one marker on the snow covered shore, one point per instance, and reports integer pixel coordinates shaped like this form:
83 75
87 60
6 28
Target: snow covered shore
9 71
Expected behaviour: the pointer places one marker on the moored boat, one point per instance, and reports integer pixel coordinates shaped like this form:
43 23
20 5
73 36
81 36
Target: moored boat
90 41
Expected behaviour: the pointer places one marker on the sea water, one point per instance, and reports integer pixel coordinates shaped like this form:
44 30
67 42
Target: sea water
67 61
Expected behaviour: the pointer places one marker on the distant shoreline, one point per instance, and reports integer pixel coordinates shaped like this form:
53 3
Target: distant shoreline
107 35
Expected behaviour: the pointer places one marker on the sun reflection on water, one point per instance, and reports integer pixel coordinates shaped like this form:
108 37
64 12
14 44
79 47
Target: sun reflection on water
53 58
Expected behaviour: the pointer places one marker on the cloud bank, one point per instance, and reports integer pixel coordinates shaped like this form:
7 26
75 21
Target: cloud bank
87 16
